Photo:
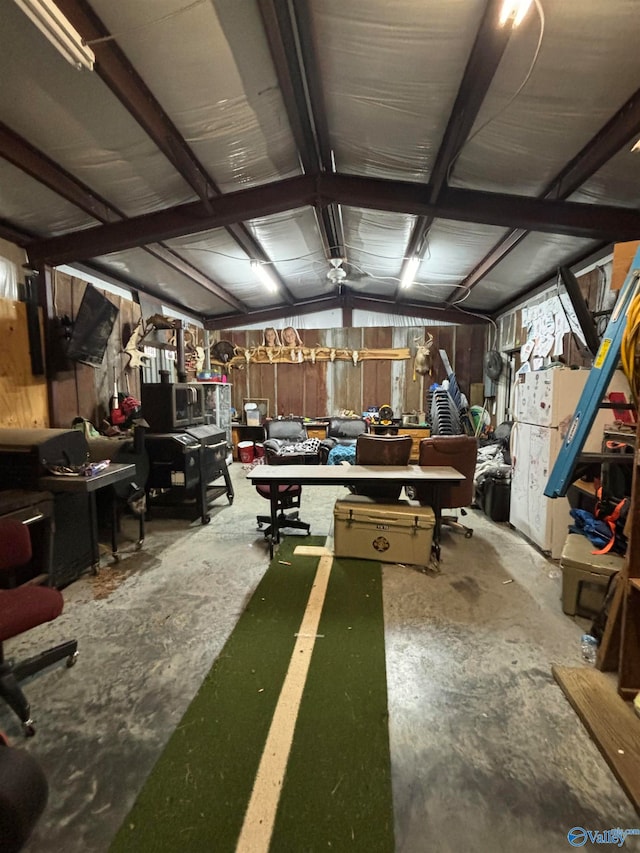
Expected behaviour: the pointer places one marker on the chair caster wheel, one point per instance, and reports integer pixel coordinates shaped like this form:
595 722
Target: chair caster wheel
28 729
206 519
468 534
230 499
71 660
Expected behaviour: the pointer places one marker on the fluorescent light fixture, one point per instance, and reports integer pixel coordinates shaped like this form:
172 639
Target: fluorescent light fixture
409 272
62 35
515 9
264 274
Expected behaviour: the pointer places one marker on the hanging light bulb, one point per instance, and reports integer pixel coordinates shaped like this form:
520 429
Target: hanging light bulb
514 9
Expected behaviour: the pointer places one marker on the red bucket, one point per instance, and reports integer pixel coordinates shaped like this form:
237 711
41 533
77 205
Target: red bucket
245 451
258 450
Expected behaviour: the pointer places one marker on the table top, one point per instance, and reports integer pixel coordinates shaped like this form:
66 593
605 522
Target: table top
345 475
116 472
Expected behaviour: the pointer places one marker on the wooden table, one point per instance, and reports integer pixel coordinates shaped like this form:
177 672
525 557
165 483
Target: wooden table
351 475
116 472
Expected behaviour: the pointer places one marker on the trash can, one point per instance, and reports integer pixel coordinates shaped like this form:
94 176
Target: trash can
246 452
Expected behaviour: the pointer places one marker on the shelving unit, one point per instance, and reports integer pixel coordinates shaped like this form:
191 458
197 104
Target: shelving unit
217 406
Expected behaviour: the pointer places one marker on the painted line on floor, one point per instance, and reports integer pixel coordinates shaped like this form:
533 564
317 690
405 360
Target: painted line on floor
259 819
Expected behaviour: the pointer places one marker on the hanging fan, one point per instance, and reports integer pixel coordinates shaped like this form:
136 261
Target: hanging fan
338 275
493 364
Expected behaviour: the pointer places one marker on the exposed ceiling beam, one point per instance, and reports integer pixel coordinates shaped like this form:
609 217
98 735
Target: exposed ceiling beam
120 76
32 161
289 32
19 236
485 57
346 300
621 129
590 221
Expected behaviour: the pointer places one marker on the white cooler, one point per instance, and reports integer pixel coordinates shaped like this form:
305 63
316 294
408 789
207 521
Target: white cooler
388 533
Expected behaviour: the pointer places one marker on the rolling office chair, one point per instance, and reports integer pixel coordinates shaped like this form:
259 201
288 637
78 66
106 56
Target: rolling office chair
459 452
382 450
23 795
22 608
288 498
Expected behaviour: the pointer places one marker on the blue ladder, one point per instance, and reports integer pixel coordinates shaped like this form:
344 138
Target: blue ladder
600 376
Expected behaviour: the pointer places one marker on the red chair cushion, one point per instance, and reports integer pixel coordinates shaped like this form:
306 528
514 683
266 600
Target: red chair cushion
265 490
26 607
15 544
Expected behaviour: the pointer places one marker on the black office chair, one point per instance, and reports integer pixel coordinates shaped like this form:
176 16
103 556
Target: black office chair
22 608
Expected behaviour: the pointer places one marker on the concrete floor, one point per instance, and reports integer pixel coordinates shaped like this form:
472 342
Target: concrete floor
487 754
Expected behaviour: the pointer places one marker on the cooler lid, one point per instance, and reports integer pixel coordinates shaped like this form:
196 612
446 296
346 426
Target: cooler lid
367 510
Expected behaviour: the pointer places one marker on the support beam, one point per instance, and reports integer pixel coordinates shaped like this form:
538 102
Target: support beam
485 57
621 129
120 76
347 302
596 222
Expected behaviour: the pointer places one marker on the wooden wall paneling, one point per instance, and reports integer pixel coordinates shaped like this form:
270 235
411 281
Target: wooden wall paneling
290 395
376 375
315 399
23 397
412 389
348 392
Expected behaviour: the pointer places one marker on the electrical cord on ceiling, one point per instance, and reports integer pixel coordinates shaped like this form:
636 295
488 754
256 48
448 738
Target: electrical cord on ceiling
476 314
166 17
513 97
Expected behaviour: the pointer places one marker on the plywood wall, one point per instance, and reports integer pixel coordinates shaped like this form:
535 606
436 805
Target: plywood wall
326 388
23 396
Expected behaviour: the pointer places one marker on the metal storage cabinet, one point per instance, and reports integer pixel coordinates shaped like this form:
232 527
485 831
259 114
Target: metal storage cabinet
217 406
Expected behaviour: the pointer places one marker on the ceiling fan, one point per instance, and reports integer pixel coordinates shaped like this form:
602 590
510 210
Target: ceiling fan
338 275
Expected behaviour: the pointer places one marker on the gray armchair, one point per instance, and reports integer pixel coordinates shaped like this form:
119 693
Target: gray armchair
287 443
341 431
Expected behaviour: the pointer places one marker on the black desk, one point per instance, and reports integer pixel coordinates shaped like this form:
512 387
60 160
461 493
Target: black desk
115 473
350 475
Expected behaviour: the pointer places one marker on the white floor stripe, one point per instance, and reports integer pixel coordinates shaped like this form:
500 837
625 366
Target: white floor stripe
255 836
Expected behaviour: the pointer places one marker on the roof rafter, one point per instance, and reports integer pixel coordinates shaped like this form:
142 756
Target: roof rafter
621 129
289 33
485 57
29 159
346 300
120 76
590 221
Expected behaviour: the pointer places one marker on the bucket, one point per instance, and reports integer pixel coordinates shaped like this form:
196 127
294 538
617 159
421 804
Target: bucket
245 451
258 450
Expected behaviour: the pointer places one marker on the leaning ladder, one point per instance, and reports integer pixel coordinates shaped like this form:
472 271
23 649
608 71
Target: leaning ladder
594 391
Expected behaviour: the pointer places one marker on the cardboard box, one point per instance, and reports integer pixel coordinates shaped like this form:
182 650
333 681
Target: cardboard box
388 533
585 576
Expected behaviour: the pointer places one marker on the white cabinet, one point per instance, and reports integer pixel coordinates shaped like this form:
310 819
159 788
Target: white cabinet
217 406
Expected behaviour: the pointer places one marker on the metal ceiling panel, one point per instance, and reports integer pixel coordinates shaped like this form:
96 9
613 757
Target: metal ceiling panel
159 280
73 118
210 69
573 90
533 260
390 75
619 179
25 201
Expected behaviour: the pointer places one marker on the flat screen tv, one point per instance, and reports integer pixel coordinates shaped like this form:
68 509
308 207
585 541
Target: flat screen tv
91 328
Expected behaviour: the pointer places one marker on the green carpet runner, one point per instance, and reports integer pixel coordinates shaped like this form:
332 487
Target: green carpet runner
336 793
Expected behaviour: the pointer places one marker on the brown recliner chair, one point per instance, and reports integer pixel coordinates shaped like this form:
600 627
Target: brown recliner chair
382 450
459 452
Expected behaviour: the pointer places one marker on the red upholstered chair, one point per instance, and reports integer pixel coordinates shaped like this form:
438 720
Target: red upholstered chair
288 498
21 609
459 452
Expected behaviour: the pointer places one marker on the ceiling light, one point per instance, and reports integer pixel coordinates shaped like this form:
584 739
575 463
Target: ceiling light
409 272
62 35
264 274
514 9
